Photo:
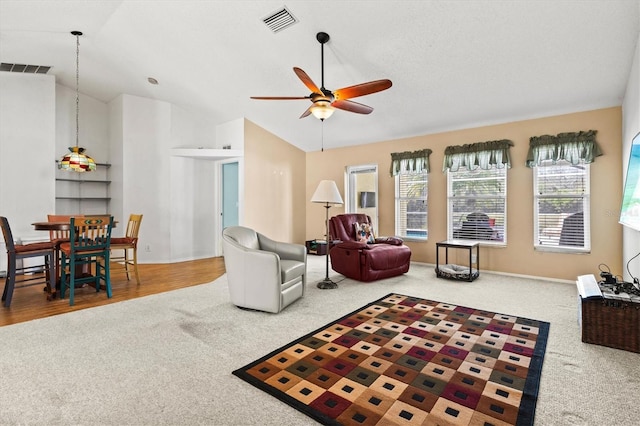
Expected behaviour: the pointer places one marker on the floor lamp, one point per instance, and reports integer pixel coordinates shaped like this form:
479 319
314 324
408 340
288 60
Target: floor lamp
328 194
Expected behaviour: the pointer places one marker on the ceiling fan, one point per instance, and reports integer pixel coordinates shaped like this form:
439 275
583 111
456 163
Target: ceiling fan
324 101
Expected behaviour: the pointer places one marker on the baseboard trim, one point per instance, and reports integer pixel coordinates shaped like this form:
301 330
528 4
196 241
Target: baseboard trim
509 274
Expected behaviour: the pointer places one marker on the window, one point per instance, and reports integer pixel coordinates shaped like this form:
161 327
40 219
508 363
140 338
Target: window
411 205
561 173
477 205
561 207
411 173
477 191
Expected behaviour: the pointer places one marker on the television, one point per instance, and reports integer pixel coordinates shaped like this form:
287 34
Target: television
630 210
367 199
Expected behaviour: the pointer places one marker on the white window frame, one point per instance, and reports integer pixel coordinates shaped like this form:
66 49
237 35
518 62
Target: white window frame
401 230
546 244
499 220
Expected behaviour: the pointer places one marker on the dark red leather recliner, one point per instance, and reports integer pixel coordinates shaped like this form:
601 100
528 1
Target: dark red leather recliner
387 257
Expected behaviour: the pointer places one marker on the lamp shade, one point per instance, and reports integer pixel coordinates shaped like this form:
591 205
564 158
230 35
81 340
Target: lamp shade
327 192
77 161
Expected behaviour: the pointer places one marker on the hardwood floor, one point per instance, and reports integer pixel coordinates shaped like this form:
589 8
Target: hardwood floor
31 302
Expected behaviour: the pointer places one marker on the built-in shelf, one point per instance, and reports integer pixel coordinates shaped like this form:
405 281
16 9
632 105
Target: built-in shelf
84 181
84 198
69 196
207 153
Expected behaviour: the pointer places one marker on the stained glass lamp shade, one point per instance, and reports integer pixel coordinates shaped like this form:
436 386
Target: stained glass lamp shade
77 161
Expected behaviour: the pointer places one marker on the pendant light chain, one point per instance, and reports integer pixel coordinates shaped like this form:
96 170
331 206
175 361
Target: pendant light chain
76 160
77 88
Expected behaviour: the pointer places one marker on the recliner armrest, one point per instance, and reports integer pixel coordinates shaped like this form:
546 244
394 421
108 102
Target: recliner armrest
394 241
353 245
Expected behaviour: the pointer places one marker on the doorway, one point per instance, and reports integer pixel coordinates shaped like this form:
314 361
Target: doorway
361 190
230 194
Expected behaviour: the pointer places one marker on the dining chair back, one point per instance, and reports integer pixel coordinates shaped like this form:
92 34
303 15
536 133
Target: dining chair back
59 236
129 246
89 244
30 275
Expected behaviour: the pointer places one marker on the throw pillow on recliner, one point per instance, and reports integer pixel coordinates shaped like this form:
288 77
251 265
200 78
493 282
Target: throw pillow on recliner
364 233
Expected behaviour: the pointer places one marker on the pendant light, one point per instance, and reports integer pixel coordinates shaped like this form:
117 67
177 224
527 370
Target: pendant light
76 160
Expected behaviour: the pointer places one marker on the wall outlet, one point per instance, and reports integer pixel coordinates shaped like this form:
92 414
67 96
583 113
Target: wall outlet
147 248
474 258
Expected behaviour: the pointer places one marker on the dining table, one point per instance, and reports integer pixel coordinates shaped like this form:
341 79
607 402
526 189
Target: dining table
52 226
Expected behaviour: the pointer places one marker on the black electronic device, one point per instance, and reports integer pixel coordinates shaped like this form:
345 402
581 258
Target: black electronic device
367 199
608 278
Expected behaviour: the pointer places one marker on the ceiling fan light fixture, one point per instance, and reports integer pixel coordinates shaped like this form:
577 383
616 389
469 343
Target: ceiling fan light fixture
322 110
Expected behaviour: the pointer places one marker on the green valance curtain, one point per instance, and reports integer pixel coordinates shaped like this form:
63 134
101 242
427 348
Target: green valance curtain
480 154
575 147
410 162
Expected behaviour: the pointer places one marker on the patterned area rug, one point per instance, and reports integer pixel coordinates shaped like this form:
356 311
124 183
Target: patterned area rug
406 360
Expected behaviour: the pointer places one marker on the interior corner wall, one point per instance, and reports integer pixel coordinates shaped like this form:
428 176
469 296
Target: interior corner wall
275 198
27 125
116 188
146 177
192 192
631 127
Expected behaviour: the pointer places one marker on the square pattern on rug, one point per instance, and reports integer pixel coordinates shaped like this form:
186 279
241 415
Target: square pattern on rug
407 360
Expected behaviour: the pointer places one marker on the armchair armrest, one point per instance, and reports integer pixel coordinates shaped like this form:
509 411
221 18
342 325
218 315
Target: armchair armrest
289 251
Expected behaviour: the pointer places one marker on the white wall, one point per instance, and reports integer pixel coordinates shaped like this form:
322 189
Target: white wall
175 195
93 128
194 185
230 134
630 127
134 134
116 173
146 130
27 152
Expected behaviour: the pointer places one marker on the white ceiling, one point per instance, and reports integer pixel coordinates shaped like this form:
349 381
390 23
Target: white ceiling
453 64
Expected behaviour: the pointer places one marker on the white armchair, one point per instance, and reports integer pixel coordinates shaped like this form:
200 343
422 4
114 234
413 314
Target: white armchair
263 274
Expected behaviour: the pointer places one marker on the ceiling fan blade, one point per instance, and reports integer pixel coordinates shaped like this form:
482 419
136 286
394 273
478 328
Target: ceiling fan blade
279 98
307 112
362 89
352 107
306 80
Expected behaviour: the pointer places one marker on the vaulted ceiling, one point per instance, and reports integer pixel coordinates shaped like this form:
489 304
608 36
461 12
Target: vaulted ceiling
453 64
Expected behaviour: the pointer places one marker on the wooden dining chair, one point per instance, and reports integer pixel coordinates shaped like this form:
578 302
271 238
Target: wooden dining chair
129 246
89 244
30 274
59 236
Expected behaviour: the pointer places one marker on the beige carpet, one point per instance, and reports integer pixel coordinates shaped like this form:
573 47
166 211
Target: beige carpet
167 359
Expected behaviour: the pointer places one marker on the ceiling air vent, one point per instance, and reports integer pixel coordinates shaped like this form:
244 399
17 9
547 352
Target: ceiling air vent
279 20
27 69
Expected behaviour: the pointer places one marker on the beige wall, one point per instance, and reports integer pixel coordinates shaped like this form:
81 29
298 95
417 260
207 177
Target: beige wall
274 197
518 257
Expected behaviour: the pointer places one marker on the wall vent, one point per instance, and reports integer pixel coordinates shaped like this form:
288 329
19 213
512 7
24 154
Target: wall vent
27 69
279 20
